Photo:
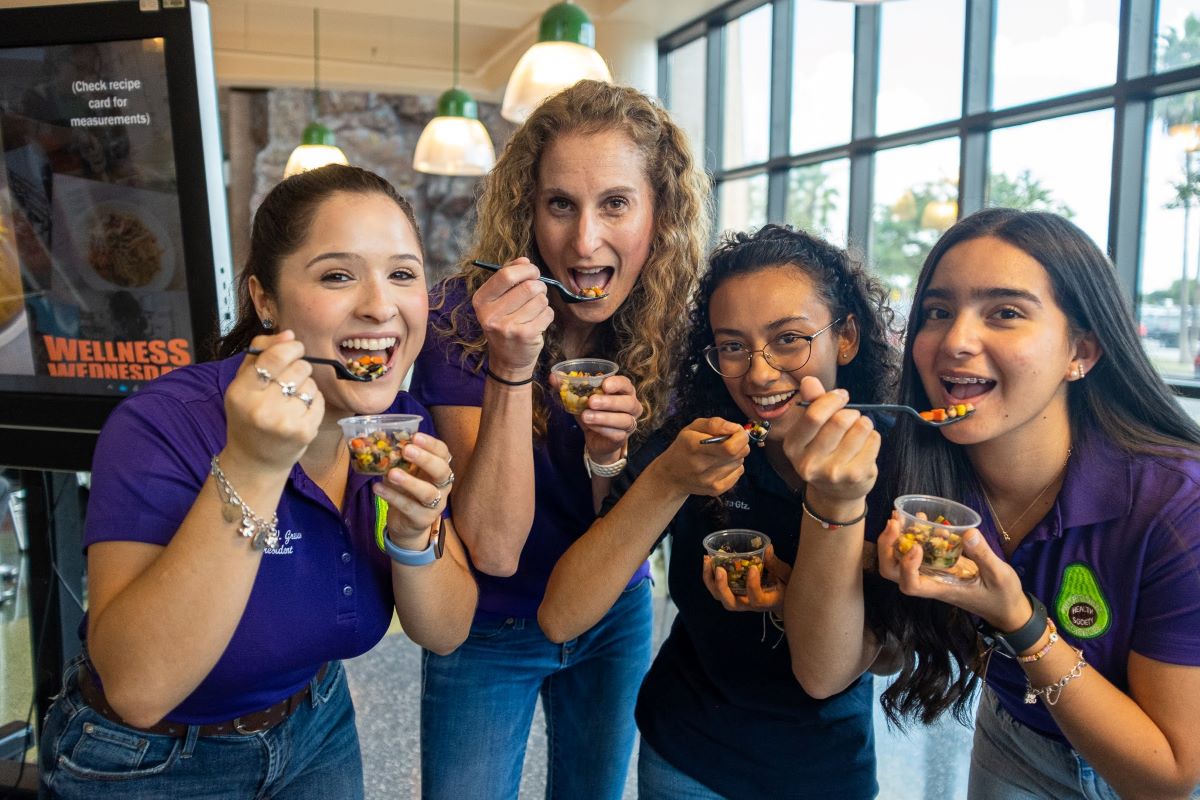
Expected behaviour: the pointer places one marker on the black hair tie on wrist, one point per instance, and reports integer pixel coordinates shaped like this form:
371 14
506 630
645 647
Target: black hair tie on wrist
487 371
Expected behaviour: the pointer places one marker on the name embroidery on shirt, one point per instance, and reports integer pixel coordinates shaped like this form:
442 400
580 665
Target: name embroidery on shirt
740 505
1081 607
285 544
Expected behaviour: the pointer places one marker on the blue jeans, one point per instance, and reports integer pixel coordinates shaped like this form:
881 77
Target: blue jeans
1010 761
659 780
312 755
477 706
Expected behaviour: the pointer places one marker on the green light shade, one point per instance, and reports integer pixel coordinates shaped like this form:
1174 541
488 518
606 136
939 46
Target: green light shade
564 55
567 22
457 103
455 141
317 148
316 133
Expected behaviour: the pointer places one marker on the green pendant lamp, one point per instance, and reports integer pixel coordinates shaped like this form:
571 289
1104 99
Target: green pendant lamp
455 141
564 54
317 147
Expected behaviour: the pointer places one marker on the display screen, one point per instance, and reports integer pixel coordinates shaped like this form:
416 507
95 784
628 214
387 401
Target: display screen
93 284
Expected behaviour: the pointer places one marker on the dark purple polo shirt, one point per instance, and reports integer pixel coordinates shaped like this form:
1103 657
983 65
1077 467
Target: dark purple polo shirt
325 593
562 488
1117 563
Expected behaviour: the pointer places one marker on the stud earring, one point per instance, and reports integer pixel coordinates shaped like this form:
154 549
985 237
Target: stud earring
1082 372
268 323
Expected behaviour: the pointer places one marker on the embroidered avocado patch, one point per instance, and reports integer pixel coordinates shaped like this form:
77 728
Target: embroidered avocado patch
1080 606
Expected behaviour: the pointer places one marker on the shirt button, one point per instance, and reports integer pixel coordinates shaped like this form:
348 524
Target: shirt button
345 558
1021 571
347 521
347 590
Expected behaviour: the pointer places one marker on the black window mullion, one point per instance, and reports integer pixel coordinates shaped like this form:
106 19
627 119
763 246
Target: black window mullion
977 99
782 22
862 124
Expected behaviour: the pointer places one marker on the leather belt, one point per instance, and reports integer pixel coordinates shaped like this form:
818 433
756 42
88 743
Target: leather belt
246 724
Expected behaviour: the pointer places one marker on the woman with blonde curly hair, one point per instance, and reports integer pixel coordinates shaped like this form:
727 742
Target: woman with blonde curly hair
599 190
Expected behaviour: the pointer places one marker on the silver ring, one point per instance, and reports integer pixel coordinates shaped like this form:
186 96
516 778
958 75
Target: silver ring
287 388
434 503
264 376
306 398
449 480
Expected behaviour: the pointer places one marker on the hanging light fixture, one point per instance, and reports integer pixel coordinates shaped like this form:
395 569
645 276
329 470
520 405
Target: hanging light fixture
455 141
564 54
317 147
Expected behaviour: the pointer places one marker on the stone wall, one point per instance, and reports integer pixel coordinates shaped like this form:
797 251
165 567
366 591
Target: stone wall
379 132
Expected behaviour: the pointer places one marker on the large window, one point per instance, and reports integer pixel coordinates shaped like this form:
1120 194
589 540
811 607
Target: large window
879 125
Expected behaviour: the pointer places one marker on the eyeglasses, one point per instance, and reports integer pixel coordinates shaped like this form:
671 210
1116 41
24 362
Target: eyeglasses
788 353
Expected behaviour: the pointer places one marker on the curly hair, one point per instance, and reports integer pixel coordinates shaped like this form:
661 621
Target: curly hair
281 225
932 680
846 288
643 334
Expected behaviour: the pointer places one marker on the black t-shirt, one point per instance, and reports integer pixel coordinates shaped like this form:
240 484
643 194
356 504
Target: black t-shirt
720 702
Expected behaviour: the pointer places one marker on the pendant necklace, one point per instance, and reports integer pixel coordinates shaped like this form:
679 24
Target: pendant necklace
996 517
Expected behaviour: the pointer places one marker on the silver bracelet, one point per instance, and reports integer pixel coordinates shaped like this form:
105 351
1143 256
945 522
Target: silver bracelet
1051 694
253 527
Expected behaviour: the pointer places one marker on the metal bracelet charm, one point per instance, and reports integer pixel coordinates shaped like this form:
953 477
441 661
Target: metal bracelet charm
259 531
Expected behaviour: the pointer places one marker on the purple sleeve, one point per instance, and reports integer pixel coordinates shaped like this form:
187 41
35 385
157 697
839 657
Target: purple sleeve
144 480
441 376
1168 610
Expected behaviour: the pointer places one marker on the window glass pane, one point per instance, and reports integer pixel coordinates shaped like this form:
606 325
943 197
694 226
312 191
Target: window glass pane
916 200
743 203
1169 282
920 64
822 75
685 92
1178 34
818 199
1079 39
1062 165
747 88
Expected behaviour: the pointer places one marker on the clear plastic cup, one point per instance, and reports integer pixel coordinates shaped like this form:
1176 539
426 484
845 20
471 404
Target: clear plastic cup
377 441
938 525
737 550
580 378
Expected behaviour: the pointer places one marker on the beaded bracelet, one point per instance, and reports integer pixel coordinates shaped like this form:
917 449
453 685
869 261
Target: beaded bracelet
830 524
1051 694
487 371
1040 654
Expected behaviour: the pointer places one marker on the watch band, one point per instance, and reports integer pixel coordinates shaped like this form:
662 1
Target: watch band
605 470
417 558
1023 637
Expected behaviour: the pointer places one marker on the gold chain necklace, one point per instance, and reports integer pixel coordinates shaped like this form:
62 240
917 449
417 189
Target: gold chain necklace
1021 516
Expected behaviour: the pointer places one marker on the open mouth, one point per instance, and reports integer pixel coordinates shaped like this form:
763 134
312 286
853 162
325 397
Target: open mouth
592 282
368 356
962 389
772 402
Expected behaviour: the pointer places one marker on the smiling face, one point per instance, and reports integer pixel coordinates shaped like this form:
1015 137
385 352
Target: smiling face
772 308
993 334
594 218
355 287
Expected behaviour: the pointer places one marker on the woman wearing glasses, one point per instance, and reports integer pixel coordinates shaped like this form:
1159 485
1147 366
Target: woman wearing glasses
720 711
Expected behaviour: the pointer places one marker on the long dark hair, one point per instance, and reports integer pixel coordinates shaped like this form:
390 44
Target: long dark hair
1122 397
281 225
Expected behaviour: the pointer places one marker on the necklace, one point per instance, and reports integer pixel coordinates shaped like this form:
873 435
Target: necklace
1021 516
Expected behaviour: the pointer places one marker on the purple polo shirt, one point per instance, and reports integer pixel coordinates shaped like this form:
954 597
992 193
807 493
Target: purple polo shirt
325 593
1117 563
562 489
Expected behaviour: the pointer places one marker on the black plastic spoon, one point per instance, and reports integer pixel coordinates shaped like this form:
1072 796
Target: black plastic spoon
343 372
566 293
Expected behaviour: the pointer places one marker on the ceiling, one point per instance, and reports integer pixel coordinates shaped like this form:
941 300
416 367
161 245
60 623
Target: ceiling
406 46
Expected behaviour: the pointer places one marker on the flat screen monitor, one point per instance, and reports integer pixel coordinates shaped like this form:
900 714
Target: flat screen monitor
114 246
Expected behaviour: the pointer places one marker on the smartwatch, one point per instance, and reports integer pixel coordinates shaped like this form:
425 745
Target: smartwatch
417 558
1024 637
